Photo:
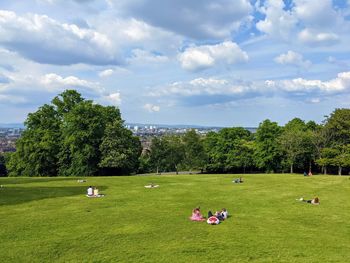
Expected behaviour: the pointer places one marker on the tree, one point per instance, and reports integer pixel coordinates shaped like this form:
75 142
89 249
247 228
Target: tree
64 138
229 150
176 152
268 154
295 141
82 131
337 126
37 149
120 150
3 171
195 156
159 151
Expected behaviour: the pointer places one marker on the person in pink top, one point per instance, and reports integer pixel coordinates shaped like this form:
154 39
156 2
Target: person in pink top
196 215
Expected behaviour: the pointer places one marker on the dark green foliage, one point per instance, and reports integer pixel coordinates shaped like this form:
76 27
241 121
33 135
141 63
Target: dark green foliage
64 138
229 150
3 170
268 154
296 143
120 150
195 156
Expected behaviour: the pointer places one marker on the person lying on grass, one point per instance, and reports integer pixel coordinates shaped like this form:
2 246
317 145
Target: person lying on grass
196 215
315 201
212 219
238 180
151 185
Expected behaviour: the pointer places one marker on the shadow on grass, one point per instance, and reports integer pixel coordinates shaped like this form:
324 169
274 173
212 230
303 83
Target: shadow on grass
19 195
27 180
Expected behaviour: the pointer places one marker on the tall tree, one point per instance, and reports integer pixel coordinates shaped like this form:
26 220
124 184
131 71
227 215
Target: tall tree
268 154
120 150
296 142
337 125
195 156
37 149
229 150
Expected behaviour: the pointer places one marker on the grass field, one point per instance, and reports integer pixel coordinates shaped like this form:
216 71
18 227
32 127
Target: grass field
51 220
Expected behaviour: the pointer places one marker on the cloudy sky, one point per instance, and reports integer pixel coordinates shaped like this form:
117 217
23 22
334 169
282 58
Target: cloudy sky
221 63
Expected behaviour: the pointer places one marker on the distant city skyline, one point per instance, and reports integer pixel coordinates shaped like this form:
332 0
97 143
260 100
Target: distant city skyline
216 63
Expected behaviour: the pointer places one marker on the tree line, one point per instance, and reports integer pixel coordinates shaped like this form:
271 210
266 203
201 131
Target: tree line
73 136
298 146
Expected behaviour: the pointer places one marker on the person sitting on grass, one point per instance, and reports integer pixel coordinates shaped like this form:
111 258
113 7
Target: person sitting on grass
96 191
224 213
315 201
196 215
90 191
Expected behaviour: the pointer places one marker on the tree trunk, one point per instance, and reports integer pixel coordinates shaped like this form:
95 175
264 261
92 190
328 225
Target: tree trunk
325 170
291 168
310 166
157 170
339 170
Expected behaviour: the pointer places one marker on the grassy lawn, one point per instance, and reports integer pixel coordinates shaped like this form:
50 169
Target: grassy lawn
51 220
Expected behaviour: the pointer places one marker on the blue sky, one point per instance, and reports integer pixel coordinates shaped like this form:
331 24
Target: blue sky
220 63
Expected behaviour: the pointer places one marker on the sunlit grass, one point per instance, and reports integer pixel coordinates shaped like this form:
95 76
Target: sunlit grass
51 220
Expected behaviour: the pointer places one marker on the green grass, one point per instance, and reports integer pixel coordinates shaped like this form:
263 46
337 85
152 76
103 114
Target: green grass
51 220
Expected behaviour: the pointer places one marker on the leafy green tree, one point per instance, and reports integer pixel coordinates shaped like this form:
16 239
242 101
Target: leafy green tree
228 150
268 153
120 150
296 142
195 156
176 152
159 151
82 132
63 138
337 126
37 149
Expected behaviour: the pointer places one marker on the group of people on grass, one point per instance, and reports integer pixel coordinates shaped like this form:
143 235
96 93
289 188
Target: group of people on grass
213 219
93 192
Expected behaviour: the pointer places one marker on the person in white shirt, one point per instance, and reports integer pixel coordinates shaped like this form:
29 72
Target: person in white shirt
90 191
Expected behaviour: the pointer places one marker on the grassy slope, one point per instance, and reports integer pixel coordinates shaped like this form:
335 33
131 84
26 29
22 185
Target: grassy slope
50 219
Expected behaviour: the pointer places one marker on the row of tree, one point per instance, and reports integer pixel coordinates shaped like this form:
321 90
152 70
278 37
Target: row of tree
296 147
73 136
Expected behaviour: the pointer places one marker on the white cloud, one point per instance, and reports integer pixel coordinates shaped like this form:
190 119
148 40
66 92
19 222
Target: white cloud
337 85
201 86
55 82
278 22
205 56
106 73
112 99
316 14
199 20
313 37
294 59
216 90
45 40
151 108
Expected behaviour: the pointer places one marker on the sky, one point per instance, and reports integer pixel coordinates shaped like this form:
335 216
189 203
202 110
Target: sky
203 62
